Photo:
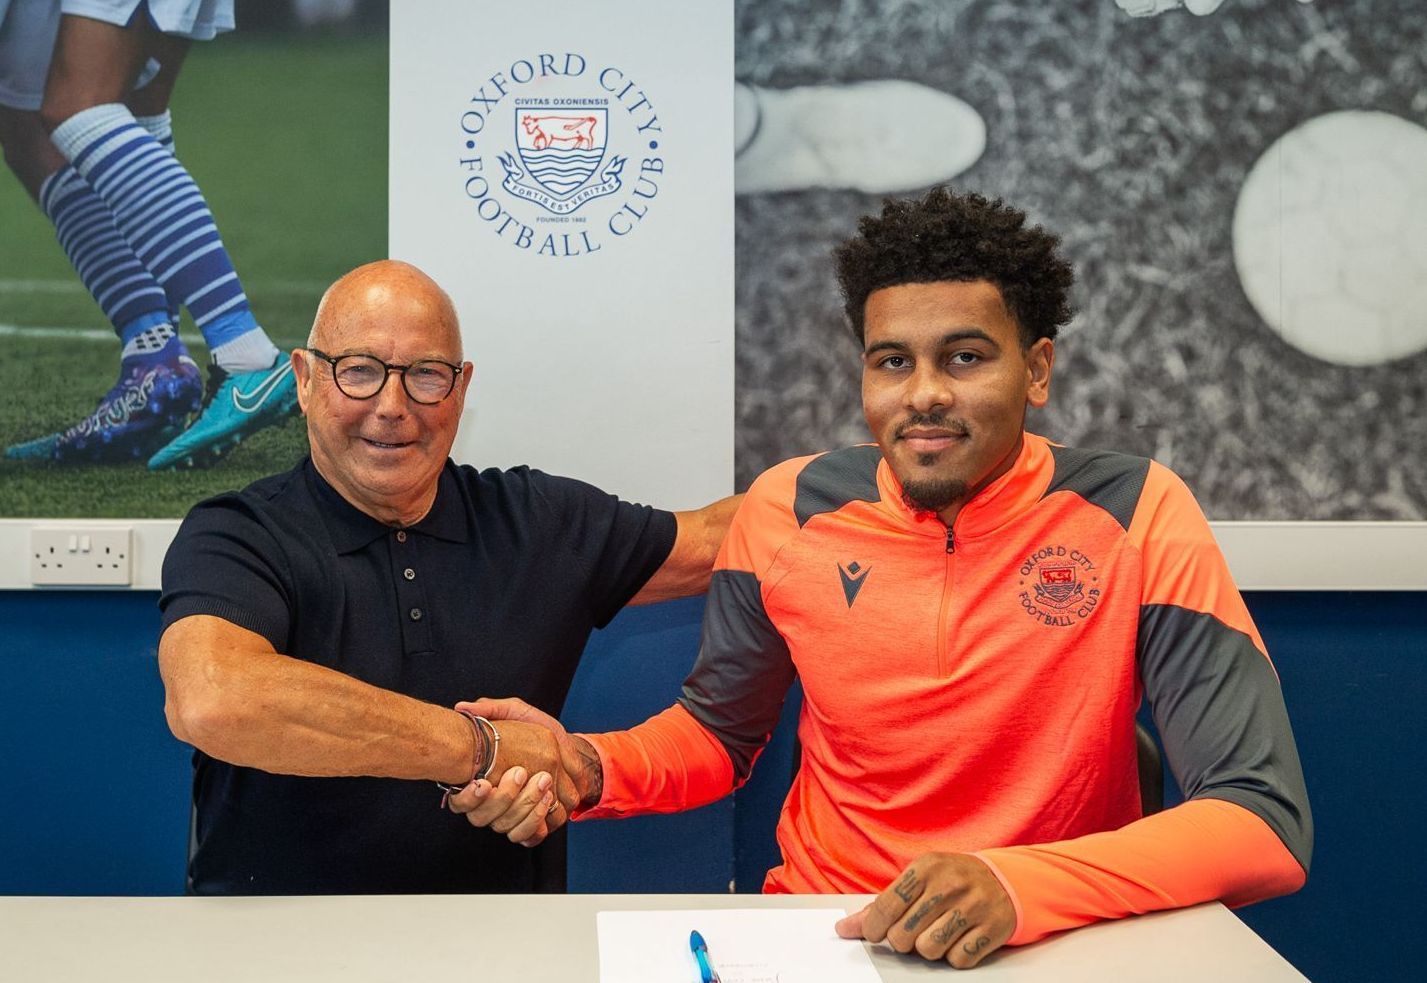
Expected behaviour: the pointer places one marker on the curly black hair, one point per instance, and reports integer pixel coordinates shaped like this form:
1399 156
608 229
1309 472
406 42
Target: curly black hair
960 237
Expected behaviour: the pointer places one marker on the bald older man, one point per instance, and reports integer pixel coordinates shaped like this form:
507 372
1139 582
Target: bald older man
319 625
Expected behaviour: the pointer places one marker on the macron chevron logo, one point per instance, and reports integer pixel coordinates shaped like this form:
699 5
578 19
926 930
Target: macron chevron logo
853 576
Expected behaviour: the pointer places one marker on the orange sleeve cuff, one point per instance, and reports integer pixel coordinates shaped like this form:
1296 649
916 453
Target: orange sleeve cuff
666 764
1203 850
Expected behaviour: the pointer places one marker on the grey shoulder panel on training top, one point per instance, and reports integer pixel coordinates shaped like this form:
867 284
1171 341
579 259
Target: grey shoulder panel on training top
1220 714
1108 479
737 687
832 480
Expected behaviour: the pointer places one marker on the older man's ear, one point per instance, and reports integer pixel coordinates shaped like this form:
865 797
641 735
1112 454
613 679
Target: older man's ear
302 372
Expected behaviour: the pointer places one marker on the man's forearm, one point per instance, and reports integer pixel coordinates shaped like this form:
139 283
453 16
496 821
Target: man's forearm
689 565
668 763
1201 850
260 709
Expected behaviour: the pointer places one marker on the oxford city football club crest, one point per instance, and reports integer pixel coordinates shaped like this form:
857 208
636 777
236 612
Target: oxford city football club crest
560 154
1058 587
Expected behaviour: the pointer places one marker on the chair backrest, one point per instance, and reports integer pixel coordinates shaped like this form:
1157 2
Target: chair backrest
1151 766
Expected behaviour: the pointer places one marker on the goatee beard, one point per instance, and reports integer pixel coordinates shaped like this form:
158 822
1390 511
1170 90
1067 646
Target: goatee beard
934 494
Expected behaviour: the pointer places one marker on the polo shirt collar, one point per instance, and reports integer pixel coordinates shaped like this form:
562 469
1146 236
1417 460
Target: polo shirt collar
351 529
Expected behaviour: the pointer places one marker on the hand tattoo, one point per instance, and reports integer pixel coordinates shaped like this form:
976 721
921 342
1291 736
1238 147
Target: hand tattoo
926 909
906 888
590 780
972 948
953 927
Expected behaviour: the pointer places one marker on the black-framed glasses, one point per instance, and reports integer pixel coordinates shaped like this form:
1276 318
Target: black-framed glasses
427 381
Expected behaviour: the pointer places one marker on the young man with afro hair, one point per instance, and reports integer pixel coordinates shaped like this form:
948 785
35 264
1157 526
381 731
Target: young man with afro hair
976 615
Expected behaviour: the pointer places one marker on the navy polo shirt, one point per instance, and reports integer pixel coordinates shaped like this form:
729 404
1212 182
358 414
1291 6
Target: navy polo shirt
493 593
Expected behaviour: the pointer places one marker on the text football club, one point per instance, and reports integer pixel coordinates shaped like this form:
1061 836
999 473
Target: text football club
561 155
1058 586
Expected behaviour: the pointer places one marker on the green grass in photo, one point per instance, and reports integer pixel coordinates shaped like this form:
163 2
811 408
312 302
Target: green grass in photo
287 137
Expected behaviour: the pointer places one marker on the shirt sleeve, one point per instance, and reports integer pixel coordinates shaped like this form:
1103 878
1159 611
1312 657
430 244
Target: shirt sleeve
221 563
705 745
622 544
1245 831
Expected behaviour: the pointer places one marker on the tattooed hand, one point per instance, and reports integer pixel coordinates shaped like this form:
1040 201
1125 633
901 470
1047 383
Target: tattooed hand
943 906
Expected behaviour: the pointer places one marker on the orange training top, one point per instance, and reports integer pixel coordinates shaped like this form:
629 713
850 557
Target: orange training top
974 689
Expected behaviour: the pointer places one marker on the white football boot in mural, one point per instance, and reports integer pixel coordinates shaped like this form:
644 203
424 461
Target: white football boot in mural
877 137
1149 8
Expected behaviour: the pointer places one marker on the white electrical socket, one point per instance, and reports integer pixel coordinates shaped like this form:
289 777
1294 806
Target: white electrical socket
87 556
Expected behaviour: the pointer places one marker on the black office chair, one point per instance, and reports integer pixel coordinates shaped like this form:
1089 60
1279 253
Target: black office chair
1151 765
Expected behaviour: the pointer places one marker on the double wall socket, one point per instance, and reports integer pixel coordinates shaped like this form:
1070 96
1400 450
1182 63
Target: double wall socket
82 556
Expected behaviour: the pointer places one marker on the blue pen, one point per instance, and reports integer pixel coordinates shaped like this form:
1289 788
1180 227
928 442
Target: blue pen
707 974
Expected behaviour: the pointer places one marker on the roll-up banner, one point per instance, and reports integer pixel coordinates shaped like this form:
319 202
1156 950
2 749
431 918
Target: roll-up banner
567 175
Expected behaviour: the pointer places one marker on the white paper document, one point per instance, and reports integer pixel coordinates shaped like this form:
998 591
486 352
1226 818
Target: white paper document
745 945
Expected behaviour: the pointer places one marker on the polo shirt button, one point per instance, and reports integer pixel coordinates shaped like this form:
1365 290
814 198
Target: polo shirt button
415 614
409 573
401 536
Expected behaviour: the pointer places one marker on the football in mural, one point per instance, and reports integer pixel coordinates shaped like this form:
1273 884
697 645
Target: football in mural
1330 237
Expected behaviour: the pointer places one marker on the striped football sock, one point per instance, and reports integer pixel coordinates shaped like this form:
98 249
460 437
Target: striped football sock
158 208
122 287
160 127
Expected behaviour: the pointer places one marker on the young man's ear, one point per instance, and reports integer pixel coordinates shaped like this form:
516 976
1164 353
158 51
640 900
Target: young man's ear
1040 360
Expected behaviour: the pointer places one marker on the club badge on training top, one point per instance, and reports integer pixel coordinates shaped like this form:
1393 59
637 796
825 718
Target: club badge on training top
1059 586
561 155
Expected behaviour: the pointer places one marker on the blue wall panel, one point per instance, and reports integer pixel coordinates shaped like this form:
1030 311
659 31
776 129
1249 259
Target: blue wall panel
93 789
1354 673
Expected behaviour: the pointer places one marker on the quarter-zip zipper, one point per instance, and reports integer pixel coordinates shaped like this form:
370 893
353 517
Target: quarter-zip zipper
943 621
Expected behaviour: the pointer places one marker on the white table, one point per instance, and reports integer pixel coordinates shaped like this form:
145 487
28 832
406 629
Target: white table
527 939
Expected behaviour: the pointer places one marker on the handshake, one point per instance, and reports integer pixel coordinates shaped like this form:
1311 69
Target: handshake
539 776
